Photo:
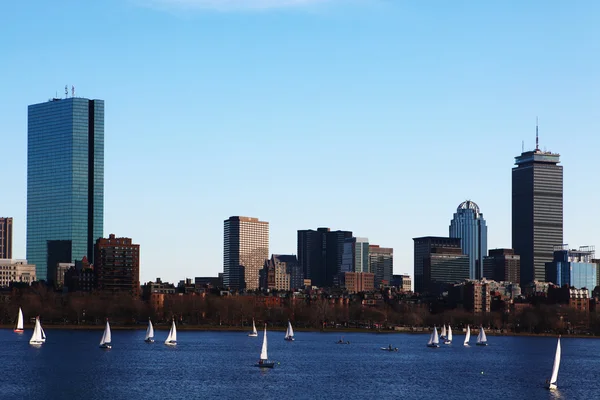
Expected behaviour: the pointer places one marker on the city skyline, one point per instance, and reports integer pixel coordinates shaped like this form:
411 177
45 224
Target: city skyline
198 135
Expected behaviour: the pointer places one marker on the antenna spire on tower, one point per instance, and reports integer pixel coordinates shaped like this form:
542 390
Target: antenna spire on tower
537 139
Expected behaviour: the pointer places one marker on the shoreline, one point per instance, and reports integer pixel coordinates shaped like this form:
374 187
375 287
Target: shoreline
212 328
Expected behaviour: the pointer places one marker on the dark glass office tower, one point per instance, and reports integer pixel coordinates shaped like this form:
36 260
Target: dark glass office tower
65 178
537 211
423 250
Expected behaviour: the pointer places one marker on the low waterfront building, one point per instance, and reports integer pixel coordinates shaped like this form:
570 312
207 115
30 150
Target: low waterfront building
402 282
60 272
17 271
80 277
157 287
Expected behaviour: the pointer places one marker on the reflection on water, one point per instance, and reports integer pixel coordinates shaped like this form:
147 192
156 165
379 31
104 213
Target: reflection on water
222 365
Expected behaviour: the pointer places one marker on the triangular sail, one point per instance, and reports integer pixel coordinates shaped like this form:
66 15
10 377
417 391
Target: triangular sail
263 352
254 327
436 339
468 335
444 330
43 333
37 334
106 336
290 331
482 335
172 334
149 331
20 320
554 376
449 333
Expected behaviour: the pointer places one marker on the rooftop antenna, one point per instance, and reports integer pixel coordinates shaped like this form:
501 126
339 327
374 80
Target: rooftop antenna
537 139
72 91
66 91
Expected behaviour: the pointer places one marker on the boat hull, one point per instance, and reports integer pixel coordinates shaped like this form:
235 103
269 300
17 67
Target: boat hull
171 343
265 364
106 346
448 342
253 335
18 330
289 339
481 344
388 349
342 342
433 345
551 386
36 343
149 340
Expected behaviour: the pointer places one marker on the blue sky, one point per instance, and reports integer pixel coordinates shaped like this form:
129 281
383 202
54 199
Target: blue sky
374 116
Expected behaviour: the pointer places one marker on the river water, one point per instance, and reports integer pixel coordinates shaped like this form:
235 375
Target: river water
211 365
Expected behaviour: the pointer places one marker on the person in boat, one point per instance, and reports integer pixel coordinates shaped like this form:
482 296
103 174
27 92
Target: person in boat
260 361
390 347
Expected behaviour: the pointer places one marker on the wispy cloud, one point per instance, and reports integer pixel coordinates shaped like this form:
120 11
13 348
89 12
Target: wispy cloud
230 5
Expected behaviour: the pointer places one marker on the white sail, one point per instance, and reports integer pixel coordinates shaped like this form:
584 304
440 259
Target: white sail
449 333
263 352
36 338
43 333
20 320
468 335
481 338
149 331
172 338
435 338
254 332
289 332
554 376
106 336
430 339
444 330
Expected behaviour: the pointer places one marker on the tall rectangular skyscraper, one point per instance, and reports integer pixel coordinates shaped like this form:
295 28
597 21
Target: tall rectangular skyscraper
6 237
245 250
65 179
423 249
537 211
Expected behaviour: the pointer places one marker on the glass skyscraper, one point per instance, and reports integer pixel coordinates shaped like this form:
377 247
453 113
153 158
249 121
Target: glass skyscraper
65 181
575 268
468 225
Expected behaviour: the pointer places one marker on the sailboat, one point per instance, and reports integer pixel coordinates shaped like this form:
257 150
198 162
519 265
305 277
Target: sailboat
36 338
106 337
264 362
149 333
254 333
433 339
467 336
481 338
289 333
172 338
449 338
551 384
19 327
443 333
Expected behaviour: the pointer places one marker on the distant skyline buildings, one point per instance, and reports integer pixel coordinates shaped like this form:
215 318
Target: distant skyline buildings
320 254
469 225
381 264
245 249
6 237
423 247
355 257
537 210
576 268
65 179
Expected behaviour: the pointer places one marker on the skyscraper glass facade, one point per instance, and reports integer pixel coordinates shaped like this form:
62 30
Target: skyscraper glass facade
65 178
468 225
574 268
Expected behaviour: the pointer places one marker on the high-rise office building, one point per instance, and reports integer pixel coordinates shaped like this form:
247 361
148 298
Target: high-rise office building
117 266
502 265
443 267
245 249
537 211
468 225
381 263
6 237
355 257
422 250
320 254
576 268
65 179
